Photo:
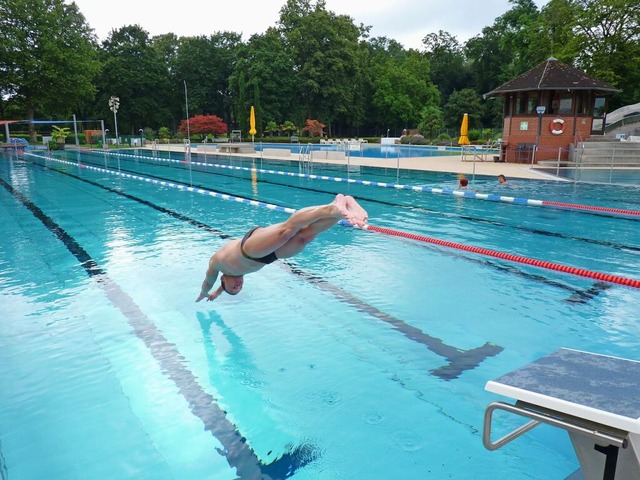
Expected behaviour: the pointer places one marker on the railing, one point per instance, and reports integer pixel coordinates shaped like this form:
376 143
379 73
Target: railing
541 415
622 122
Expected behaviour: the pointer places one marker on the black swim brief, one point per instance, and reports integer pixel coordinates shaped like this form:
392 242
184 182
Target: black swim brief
267 259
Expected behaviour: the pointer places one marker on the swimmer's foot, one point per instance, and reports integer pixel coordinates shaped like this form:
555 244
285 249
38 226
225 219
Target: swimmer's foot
357 215
350 210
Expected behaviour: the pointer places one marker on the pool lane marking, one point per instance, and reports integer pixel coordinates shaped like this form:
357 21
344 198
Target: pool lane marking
578 296
415 188
534 231
605 277
238 453
458 359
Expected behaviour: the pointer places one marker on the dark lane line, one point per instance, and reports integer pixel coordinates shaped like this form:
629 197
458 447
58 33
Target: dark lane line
203 405
578 296
494 223
458 359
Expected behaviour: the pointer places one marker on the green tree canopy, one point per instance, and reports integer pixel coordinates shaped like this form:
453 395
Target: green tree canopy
449 68
47 56
134 72
460 102
324 48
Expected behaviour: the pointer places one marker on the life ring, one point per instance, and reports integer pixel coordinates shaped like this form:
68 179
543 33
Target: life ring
559 123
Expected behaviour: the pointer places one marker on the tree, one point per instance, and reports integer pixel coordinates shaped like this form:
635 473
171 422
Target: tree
205 65
402 89
47 57
204 124
134 72
460 102
289 127
264 68
325 51
271 128
608 35
449 69
432 121
314 127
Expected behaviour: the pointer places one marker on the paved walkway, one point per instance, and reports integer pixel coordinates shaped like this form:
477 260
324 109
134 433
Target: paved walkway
453 164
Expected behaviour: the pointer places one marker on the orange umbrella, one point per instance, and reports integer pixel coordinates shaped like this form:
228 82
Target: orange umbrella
464 130
252 123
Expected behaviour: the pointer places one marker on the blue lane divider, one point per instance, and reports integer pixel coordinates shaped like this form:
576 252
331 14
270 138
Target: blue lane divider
458 359
397 186
178 186
415 188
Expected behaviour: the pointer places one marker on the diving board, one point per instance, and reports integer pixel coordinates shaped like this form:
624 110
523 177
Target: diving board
596 398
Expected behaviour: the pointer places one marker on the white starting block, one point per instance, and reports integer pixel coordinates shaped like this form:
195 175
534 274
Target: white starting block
596 398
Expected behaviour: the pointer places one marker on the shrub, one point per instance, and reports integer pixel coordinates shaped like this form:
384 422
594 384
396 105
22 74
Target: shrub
474 135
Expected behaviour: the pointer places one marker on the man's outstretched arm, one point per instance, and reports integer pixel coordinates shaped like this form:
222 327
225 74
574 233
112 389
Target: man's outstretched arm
207 284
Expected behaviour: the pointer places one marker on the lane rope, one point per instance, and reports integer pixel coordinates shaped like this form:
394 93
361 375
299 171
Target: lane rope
604 277
416 188
581 272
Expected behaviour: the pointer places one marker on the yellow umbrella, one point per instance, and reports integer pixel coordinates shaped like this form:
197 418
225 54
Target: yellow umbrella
252 123
464 130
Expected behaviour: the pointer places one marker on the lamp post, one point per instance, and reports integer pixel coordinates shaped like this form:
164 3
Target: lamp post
188 149
388 132
540 109
114 104
105 143
141 141
186 101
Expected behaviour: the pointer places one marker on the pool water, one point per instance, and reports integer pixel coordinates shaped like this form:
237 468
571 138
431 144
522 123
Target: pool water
363 357
369 150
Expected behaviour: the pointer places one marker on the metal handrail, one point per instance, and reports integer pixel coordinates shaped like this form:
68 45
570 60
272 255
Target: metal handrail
541 415
622 122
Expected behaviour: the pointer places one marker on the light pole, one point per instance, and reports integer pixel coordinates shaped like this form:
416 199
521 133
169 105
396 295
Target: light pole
141 141
114 103
540 109
105 144
186 101
388 132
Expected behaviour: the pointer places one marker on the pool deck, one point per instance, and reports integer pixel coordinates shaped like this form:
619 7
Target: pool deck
452 164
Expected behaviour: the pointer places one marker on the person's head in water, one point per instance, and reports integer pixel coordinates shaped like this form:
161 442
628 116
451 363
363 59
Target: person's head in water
502 178
231 284
463 183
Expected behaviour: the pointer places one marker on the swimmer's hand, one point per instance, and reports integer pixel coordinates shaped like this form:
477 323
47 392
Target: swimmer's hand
209 296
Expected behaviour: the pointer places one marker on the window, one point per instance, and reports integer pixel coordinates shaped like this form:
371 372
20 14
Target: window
583 101
565 103
598 107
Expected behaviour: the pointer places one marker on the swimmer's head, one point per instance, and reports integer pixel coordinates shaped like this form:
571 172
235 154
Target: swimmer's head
232 284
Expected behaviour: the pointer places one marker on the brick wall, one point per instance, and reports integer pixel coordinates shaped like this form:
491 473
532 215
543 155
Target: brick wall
549 143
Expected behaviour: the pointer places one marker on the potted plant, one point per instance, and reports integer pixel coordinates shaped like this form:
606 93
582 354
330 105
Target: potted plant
59 134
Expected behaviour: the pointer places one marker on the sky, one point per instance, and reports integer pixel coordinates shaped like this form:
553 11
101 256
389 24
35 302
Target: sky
406 21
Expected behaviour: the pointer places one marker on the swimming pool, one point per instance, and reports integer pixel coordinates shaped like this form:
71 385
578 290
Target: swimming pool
370 150
364 357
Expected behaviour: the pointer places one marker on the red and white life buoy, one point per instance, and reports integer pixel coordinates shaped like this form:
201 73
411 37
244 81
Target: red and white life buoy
557 126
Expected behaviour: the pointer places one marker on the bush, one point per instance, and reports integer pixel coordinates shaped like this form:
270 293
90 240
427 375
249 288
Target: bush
413 140
474 135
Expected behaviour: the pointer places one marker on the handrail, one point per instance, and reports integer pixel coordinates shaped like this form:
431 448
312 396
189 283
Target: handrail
541 415
622 122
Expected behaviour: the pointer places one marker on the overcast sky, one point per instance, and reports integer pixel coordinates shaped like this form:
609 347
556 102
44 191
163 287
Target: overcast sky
406 21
